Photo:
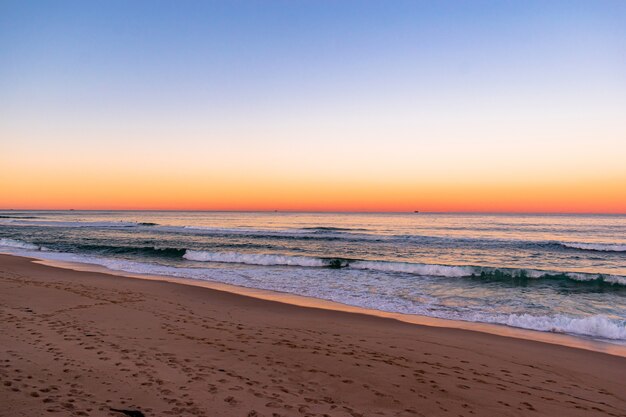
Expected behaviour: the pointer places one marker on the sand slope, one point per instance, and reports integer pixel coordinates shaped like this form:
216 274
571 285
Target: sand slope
79 343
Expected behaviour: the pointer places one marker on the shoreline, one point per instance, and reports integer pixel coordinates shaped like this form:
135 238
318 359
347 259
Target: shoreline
85 343
561 339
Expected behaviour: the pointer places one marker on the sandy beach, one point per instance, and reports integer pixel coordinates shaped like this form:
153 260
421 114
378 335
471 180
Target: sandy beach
86 343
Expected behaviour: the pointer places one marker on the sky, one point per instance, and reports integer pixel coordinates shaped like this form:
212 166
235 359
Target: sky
494 106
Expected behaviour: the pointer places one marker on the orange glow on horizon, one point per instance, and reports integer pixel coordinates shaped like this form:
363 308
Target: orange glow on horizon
117 193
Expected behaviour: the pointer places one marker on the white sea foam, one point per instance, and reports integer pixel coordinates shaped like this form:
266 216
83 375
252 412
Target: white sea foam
611 279
18 244
303 261
453 271
253 259
594 326
602 247
418 269
415 268
615 279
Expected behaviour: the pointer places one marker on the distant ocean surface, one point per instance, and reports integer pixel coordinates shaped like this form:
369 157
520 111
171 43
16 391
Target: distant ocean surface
556 273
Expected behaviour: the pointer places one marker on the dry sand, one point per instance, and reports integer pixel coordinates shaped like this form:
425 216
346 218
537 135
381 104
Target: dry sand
81 343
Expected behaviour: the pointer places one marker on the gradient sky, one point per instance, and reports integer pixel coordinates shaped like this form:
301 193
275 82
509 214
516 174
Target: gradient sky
314 105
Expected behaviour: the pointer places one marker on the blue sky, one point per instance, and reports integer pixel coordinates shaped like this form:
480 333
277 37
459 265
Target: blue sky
262 51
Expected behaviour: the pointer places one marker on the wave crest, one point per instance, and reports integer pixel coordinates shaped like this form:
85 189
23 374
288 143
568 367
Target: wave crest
263 259
135 250
18 244
599 247
419 269
595 326
415 268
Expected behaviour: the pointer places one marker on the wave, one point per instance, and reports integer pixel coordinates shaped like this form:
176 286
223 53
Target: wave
447 271
18 244
264 259
132 250
433 270
362 235
594 326
101 249
598 247
486 273
489 273
517 275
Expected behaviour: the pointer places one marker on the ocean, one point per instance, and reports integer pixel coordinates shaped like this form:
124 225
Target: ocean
552 273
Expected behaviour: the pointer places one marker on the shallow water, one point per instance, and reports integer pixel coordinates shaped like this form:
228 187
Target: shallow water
563 273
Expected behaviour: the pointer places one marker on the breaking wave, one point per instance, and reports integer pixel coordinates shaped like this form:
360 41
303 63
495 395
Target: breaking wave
18 244
261 259
594 326
444 271
264 259
416 268
133 250
601 247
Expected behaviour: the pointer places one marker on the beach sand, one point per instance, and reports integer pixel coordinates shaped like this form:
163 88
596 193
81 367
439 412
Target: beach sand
81 343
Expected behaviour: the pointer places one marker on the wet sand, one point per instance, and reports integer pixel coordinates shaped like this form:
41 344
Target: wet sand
83 343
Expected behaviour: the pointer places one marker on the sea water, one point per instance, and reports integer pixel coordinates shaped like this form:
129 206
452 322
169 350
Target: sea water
556 273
